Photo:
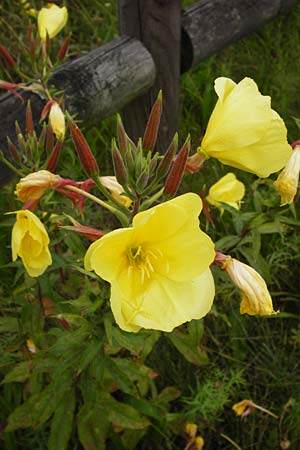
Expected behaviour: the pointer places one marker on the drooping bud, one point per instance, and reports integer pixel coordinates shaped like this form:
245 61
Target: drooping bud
84 152
287 182
29 119
33 186
177 170
119 166
116 190
256 298
194 163
166 162
57 121
7 56
54 157
64 48
150 135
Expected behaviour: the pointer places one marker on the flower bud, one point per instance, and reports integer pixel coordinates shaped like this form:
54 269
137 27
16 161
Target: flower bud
287 182
150 135
57 121
166 162
116 190
119 166
175 175
84 152
7 56
33 186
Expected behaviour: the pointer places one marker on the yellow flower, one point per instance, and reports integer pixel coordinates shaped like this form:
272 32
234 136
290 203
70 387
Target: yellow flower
255 295
57 121
227 190
30 241
33 186
243 130
191 430
240 408
158 268
199 443
51 20
287 182
110 182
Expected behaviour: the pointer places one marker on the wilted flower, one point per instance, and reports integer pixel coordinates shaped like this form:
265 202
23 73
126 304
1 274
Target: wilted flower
158 268
30 241
57 121
243 130
110 182
51 20
31 346
35 184
227 190
287 182
256 298
243 408
191 430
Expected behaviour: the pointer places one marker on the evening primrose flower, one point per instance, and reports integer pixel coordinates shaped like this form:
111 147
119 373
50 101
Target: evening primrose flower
33 186
256 298
243 408
243 130
227 190
287 182
110 182
158 268
51 20
30 241
57 121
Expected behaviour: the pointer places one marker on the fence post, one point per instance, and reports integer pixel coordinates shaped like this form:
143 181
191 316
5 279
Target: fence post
157 24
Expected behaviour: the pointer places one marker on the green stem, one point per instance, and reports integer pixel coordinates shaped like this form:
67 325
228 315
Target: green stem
10 165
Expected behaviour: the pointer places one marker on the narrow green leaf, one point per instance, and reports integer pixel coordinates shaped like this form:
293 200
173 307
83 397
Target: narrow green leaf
9 324
184 344
92 426
19 373
123 415
61 425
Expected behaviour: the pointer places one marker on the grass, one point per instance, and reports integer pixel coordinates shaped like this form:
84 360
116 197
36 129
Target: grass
248 357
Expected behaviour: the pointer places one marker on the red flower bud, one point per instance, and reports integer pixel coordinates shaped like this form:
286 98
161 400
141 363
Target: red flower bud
175 175
150 135
84 152
7 56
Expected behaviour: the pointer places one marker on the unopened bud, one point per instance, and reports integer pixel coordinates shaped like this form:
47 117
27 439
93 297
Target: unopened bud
142 180
84 152
150 135
57 121
13 150
54 157
166 162
7 56
119 166
64 48
177 170
122 136
29 119
49 139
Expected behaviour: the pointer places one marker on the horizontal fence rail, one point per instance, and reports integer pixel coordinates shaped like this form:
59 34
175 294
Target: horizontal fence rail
109 78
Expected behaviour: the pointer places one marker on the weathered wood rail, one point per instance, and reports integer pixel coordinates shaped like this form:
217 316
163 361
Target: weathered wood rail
158 42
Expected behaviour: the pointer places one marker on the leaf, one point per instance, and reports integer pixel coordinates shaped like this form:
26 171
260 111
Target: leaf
168 394
61 425
184 344
92 425
9 324
119 376
90 353
19 373
123 415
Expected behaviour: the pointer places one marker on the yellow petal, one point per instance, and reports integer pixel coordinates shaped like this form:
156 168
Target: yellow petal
244 132
35 184
30 241
165 305
287 182
51 20
57 121
227 190
240 407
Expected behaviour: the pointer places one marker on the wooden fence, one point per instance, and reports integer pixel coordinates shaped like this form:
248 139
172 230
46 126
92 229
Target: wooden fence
158 41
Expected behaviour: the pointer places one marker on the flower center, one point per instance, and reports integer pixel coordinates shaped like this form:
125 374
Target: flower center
142 260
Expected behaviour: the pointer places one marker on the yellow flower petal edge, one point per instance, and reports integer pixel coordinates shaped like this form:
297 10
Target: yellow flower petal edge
30 242
51 19
35 184
227 190
287 182
243 131
158 268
